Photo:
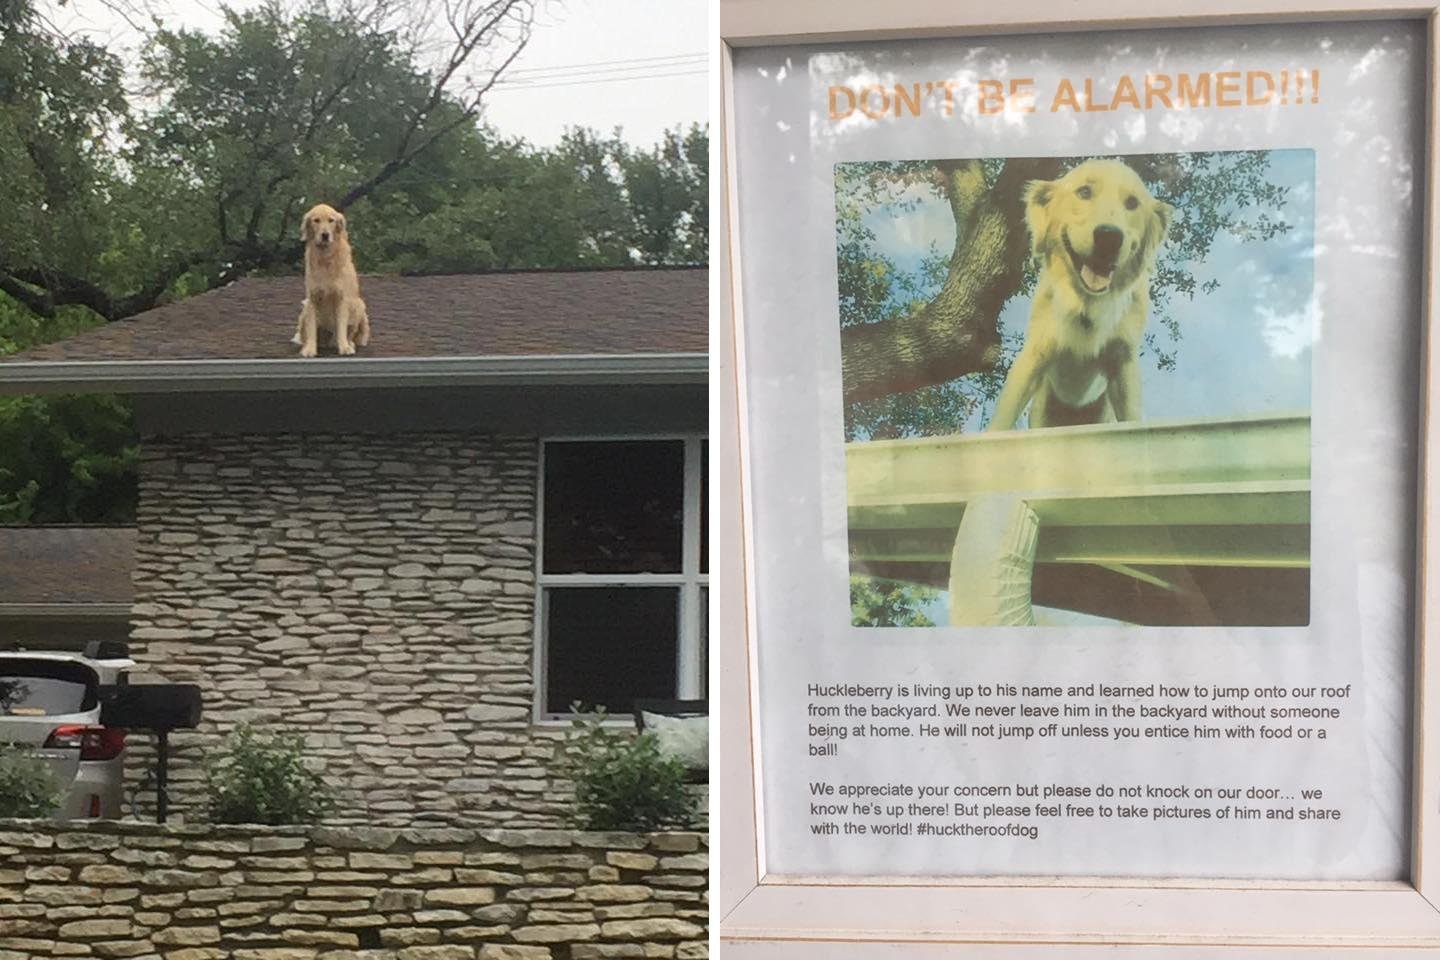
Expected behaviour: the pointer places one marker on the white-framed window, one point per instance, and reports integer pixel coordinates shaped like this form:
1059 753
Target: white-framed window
622 586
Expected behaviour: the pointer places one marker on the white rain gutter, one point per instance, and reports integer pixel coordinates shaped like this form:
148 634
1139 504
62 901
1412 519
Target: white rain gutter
181 376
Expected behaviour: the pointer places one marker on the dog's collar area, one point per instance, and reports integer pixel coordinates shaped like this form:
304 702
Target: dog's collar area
1085 321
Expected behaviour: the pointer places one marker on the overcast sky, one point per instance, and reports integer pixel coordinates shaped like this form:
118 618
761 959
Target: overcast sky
634 64
670 91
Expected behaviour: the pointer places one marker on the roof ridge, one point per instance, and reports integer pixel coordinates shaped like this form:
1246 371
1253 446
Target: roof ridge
544 313
589 268
509 271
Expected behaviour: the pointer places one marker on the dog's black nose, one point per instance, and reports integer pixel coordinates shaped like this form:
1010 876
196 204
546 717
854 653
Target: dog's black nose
1107 241
326 237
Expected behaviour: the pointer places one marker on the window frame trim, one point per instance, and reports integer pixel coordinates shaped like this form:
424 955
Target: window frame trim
689 581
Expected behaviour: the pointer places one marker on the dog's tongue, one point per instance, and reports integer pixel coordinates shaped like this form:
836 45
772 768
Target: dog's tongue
1095 281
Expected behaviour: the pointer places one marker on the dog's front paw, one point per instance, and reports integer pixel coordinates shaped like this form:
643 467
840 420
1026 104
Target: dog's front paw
346 349
307 351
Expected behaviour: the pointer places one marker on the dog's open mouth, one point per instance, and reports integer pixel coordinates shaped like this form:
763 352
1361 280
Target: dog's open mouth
1095 272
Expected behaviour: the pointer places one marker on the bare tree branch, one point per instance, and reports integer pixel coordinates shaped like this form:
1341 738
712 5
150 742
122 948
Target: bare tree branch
135 13
64 289
35 300
44 289
473 23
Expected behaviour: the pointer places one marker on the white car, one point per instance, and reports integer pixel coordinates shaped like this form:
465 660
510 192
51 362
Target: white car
48 700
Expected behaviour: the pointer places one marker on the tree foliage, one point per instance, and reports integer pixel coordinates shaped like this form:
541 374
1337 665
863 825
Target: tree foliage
124 191
68 459
28 789
875 602
60 102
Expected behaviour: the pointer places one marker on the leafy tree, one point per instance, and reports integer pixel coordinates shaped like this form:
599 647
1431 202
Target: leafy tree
60 101
490 203
875 602
669 202
286 104
68 459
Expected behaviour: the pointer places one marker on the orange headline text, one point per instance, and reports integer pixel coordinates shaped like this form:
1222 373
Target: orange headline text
1152 91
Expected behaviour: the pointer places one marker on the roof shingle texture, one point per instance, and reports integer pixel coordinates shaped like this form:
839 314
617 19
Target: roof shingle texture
470 315
66 564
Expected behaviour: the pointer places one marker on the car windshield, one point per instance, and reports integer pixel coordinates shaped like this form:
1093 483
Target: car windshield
42 688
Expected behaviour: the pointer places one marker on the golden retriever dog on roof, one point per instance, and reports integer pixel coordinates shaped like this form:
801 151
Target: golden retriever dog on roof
332 290
1095 234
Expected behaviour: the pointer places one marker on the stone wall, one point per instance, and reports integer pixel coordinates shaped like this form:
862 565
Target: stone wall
129 890
374 592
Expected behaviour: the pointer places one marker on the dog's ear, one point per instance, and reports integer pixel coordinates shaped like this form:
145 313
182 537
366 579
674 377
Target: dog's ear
305 229
340 225
1161 214
1037 195
1164 215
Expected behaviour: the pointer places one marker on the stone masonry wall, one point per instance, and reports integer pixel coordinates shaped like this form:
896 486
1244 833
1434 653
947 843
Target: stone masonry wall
374 592
131 890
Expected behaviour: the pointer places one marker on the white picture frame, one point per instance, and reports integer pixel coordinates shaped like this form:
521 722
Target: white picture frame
759 916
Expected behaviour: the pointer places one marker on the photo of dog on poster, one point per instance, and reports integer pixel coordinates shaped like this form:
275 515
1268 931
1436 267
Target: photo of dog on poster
1077 389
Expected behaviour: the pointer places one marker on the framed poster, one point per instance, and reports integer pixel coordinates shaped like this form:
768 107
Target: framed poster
1078 397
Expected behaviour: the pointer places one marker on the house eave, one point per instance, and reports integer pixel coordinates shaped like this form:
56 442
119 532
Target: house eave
222 376
82 610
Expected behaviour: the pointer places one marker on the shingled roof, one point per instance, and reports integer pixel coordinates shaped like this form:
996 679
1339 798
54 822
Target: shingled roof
523 314
66 565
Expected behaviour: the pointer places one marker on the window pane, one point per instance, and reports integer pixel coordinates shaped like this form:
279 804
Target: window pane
45 688
607 646
614 507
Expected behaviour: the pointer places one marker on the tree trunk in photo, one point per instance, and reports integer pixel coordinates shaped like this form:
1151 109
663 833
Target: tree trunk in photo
957 332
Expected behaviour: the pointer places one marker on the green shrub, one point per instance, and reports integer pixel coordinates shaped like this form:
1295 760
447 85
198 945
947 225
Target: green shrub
262 778
27 784
622 781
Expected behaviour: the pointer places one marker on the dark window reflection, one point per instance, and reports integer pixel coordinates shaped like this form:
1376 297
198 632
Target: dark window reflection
43 688
614 507
608 647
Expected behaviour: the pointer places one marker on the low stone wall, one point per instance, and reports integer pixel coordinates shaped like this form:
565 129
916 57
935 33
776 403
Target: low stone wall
147 892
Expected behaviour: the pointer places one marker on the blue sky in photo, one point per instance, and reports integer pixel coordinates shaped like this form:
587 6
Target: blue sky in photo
1244 349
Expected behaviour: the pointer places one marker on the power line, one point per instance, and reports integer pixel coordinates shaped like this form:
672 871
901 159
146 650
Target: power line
607 63
577 74
522 85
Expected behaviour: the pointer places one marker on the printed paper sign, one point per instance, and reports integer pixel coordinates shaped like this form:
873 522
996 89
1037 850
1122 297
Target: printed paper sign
1082 390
